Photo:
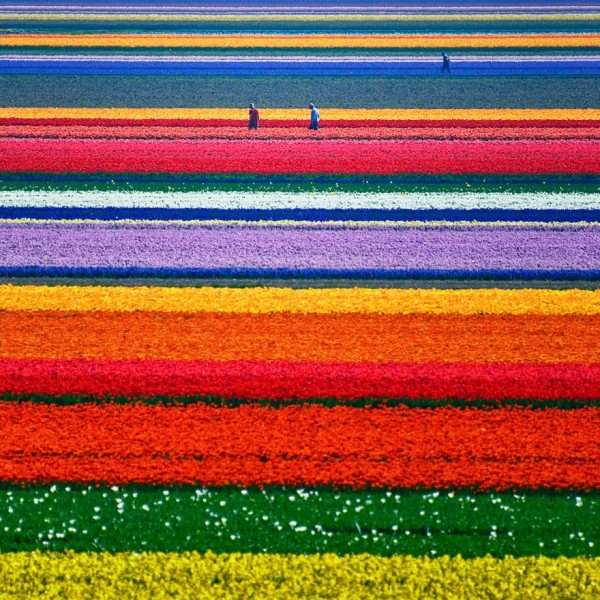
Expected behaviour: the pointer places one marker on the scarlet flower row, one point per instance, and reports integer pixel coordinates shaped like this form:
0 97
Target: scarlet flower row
301 445
109 131
315 156
370 338
281 380
296 123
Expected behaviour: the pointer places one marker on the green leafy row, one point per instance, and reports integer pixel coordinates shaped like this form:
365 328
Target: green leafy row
73 399
276 519
295 184
149 91
340 25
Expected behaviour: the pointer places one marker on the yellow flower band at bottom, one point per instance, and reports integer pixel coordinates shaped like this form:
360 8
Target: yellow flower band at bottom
263 300
266 576
331 114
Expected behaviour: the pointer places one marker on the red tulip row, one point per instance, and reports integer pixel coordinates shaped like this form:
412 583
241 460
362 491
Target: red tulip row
315 156
302 445
294 124
301 380
231 132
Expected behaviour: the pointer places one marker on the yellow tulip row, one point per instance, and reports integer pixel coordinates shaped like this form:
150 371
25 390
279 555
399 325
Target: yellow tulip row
305 41
266 576
332 114
310 301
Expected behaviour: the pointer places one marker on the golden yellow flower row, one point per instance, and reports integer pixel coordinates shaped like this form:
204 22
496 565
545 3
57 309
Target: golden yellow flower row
305 41
270 576
311 301
389 114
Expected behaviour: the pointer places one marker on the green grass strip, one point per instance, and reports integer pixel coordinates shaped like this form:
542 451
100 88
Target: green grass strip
296 184
73 399
304 283
275 519
150 91
298 26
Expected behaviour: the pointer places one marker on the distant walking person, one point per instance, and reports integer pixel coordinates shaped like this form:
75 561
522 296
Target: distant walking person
314 117
445 63
254 117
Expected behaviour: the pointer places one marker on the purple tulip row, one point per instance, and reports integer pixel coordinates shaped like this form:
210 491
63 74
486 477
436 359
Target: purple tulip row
170 246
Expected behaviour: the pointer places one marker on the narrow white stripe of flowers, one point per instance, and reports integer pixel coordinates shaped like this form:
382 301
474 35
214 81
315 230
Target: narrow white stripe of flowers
286 200
287 223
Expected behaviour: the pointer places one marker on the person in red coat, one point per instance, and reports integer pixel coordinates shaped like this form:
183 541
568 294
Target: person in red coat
254 117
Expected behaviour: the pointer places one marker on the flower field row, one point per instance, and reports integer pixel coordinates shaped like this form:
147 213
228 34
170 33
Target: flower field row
284 128
336 198
282 156
348 14
304 14
458 199
354 447
299 337
431 115
563 40
371 18
297 132
263 300
306 250
61 517
297 66
229 576
72 381
328 10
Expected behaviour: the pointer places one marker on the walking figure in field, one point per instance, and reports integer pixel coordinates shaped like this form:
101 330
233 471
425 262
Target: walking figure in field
445 63
314 117
254 117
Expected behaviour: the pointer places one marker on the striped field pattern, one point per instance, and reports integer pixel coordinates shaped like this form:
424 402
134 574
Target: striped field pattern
360 361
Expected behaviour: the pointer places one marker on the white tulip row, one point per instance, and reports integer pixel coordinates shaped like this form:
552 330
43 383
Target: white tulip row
286 200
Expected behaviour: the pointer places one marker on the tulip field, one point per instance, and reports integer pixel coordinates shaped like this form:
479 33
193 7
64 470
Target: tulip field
360 361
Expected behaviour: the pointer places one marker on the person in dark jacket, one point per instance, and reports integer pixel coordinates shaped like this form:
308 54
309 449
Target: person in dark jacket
314 117
254 117
445 63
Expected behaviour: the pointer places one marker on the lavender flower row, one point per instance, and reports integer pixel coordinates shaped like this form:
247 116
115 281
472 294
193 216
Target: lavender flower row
295 248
